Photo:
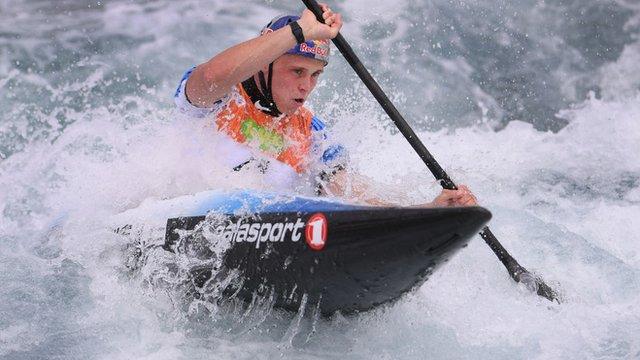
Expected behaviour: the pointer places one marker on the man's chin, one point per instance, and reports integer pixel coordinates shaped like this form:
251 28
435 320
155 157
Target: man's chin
292 109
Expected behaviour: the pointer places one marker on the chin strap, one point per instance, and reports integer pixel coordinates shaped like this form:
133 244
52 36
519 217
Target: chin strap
263 96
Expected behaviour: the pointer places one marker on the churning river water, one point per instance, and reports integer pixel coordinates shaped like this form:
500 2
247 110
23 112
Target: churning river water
534 104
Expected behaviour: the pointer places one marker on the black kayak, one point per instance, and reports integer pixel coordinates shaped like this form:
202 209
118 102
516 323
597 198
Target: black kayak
343 257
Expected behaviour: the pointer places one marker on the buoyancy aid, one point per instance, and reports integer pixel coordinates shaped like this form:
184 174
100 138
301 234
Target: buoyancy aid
299 141
286 138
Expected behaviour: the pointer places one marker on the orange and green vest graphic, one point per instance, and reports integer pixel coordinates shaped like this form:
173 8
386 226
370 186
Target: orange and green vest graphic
267 140
287 139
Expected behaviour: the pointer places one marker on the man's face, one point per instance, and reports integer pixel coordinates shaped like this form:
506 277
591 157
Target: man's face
294 77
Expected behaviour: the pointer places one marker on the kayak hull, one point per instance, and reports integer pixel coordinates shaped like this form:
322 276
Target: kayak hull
343 258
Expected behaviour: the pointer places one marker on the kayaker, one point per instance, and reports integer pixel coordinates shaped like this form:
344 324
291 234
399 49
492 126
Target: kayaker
255 92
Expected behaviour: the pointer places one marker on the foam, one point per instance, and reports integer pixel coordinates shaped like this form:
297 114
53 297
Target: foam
105 139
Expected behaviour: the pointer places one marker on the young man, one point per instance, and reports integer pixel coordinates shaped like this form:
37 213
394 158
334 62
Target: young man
256 90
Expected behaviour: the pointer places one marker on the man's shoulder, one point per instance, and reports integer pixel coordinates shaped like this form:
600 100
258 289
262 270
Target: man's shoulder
185 106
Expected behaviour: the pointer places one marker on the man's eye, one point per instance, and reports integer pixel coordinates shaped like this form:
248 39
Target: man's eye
298 71
316 74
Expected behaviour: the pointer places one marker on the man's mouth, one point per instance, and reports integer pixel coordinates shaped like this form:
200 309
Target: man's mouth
299 100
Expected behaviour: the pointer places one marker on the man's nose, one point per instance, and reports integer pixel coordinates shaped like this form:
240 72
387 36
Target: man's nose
305 84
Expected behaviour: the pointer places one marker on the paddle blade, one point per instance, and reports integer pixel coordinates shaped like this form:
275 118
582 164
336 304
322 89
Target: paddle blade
517 272
546 291
534 283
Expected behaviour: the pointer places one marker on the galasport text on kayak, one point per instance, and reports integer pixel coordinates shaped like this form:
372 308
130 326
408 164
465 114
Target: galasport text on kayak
248 231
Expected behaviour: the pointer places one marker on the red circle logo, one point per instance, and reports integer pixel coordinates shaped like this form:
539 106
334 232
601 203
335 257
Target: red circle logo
316 231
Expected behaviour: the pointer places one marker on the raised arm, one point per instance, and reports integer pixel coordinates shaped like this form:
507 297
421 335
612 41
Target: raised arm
212 80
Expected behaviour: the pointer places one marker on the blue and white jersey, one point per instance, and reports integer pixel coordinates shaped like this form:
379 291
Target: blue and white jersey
186 107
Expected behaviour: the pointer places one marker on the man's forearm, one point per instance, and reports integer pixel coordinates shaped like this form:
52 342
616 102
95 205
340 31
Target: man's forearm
212 80
355 187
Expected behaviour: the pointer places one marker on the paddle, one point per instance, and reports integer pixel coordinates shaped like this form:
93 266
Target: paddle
517 272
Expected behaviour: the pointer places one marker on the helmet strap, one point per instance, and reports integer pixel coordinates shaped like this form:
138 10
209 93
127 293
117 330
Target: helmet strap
262 95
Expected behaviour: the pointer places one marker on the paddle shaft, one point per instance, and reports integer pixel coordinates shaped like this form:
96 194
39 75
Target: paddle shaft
513 267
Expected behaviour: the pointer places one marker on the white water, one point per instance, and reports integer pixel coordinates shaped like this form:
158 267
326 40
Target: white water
87 129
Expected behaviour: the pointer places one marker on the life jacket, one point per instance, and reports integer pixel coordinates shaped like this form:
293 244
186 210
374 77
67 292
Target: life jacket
286 138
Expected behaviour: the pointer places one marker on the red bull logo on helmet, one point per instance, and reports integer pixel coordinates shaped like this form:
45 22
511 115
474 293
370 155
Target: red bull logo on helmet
319 48
316 49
